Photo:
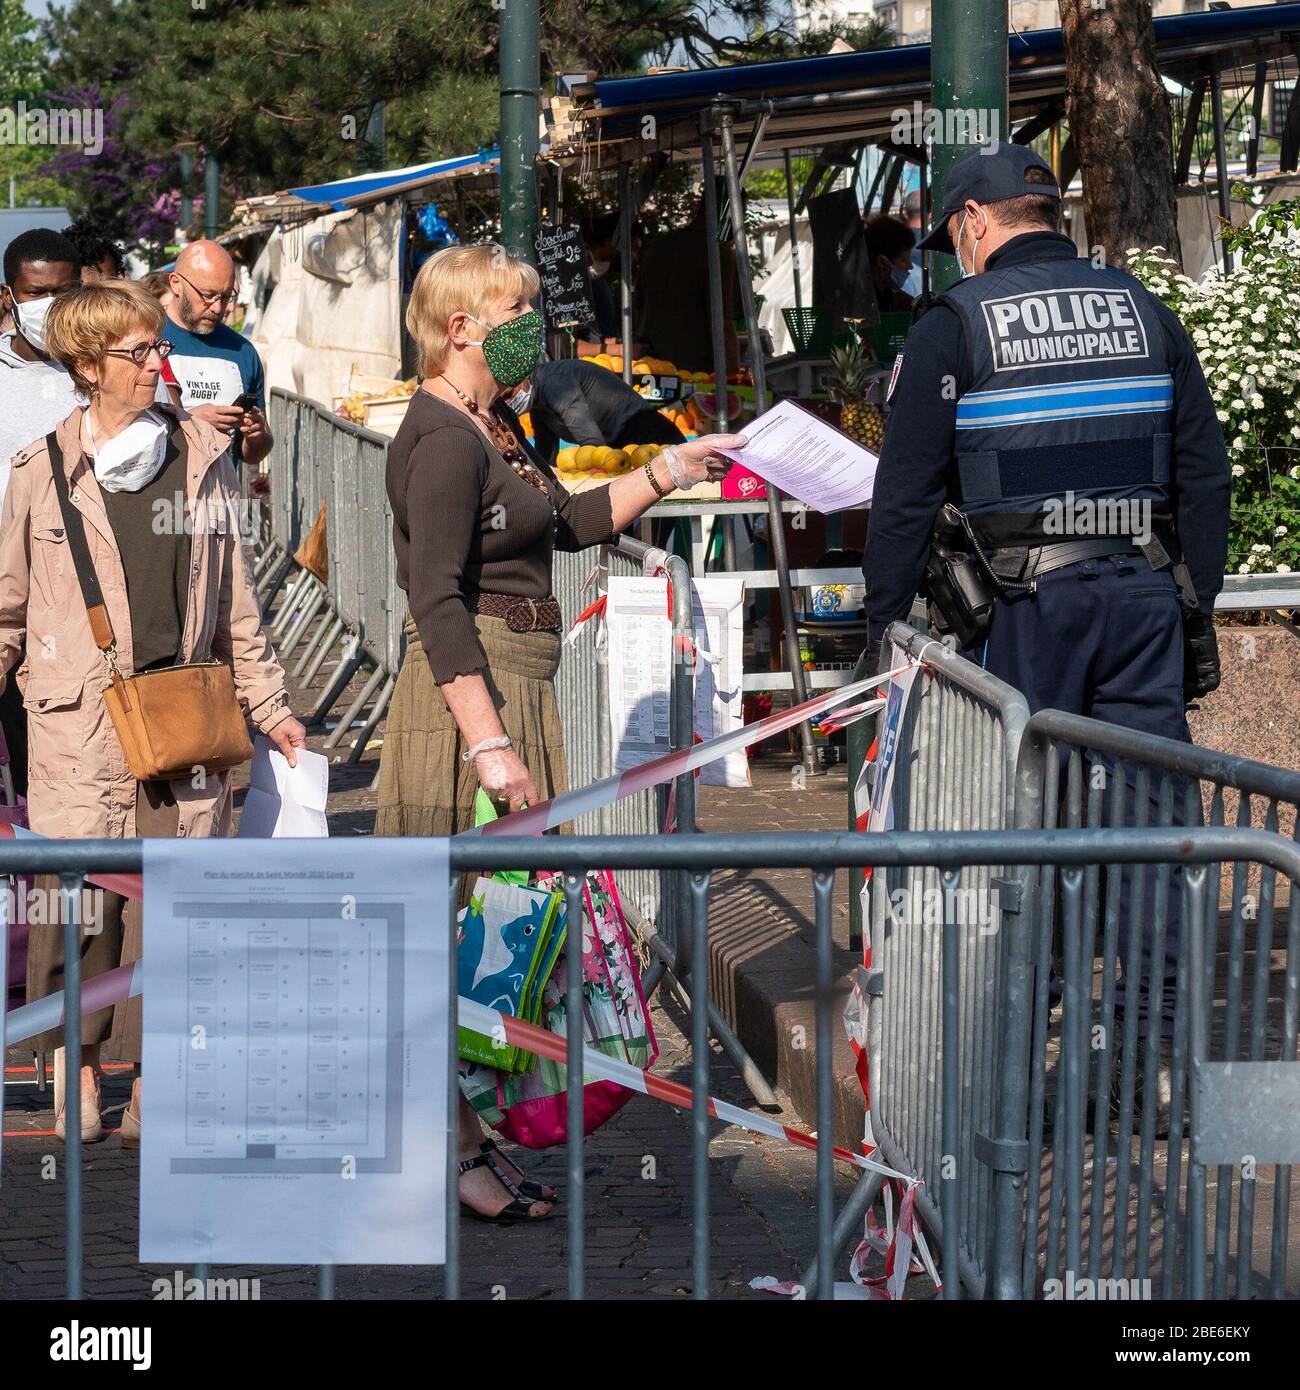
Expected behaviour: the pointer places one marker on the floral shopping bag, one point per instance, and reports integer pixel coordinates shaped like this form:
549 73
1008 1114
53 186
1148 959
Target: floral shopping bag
504 938
531 1108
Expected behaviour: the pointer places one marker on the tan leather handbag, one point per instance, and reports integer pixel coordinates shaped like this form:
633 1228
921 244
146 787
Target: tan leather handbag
171 721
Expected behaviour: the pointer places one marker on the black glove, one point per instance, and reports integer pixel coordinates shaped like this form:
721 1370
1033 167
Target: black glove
1200 655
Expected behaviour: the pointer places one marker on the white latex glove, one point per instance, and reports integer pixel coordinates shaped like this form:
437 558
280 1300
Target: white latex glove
697 459
505 777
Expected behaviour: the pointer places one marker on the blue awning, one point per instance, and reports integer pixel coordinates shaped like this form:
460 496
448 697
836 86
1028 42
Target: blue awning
367 188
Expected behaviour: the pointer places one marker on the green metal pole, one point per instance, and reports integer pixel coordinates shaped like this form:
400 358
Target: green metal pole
211 197
520 111
968 92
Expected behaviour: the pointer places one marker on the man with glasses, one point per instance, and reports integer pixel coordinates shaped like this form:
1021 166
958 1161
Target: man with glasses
35 395
217 371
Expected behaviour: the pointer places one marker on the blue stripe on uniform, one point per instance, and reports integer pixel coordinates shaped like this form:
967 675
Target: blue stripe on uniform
1065 401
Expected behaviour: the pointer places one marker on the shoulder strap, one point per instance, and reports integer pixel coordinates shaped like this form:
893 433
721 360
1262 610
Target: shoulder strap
101 626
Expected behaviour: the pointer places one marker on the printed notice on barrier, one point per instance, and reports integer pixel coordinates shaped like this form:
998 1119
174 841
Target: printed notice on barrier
808 458
295 1049
640 638
881 813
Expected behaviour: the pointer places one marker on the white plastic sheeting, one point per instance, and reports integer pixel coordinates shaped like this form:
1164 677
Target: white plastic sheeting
777 287
337 302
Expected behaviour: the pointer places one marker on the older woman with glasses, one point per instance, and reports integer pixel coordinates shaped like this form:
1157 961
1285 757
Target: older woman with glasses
154 493
477 516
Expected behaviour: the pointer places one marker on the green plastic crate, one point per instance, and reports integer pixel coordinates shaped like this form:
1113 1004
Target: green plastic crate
887 336
809 329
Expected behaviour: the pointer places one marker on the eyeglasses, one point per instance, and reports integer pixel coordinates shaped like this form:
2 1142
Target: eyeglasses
210 296
140 353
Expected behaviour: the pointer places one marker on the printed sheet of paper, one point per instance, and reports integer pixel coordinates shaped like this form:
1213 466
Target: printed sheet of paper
808 458
640 667
295 1044
284 802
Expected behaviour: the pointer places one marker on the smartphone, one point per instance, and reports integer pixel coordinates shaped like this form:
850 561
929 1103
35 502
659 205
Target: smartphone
244 402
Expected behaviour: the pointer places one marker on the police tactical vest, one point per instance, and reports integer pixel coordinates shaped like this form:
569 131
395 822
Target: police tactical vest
1070 394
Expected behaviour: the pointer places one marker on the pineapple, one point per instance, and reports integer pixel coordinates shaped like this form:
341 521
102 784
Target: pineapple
859 418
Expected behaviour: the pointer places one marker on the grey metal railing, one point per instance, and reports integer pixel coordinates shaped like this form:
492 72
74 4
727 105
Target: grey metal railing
357 616
1155 991
954 771
1075 852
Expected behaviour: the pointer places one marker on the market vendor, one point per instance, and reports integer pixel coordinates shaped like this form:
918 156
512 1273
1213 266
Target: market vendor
583 403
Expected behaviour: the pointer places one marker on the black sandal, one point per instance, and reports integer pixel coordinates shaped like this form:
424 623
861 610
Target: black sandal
519 1209
534 1191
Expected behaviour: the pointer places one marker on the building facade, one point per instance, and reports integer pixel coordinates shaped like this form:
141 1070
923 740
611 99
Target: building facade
910 19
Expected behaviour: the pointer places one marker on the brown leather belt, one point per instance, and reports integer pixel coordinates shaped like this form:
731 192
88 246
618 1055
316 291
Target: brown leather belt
521 614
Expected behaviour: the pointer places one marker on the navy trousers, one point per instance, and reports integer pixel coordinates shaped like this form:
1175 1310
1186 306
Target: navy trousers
1104 638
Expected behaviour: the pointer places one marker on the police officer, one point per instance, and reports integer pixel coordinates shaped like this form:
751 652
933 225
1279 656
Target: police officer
1062 411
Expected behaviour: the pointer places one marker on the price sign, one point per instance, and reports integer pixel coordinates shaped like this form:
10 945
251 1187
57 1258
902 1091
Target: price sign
566 287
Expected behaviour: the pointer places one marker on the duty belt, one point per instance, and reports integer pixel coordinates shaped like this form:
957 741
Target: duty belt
521 614
1043 559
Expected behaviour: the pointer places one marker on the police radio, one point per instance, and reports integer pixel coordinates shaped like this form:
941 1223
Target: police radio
959 587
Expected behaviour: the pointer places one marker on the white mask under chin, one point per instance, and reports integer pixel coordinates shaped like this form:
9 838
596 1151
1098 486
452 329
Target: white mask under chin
132 459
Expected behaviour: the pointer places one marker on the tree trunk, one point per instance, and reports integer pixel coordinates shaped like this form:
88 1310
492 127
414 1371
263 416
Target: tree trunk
1121 124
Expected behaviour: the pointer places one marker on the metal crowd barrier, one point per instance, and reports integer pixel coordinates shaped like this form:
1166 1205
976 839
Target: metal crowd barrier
357 617
1051 1125
1073 852
954 771
1106 1194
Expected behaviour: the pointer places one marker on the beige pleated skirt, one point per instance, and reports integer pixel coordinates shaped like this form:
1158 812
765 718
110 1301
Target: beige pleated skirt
424 787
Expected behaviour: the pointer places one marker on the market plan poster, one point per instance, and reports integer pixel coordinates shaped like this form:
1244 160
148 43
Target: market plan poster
640 653
295 1052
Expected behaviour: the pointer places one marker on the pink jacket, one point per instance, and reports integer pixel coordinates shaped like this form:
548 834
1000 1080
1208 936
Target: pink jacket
79 783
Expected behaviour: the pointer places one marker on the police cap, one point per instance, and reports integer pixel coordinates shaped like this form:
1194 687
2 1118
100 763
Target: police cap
990 174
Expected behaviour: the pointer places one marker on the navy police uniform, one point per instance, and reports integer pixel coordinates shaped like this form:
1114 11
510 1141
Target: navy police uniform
1062 408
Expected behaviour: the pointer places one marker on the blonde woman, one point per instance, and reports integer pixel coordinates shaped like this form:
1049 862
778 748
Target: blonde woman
477 517
176 593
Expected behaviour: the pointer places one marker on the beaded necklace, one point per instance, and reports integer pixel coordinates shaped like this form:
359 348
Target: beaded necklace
507 444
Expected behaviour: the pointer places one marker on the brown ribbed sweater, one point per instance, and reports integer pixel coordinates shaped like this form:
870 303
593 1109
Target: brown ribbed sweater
464 523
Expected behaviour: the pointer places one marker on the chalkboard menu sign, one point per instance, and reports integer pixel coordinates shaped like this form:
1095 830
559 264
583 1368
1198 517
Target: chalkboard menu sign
566 288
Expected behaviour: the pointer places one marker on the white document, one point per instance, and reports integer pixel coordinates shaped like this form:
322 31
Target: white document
285 802
295 1044
640 668
808 458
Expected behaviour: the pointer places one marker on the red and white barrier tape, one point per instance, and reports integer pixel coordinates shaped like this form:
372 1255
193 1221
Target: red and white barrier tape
597 1065
546 815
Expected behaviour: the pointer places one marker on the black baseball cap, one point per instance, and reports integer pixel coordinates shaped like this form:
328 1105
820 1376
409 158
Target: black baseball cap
988 176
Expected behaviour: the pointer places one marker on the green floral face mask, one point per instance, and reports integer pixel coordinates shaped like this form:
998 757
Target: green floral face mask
512 348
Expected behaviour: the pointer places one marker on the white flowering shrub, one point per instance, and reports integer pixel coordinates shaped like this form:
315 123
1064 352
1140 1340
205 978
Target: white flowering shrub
1246 329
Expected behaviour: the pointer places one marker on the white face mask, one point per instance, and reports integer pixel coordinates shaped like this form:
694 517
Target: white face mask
961 265
31 318
522 399
132 459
